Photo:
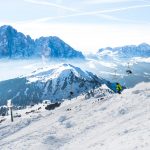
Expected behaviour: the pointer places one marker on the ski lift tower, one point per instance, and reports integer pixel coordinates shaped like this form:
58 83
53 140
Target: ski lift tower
10 106
114 77
128 71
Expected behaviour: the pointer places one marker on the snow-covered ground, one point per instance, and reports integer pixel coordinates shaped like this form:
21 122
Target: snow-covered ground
114 122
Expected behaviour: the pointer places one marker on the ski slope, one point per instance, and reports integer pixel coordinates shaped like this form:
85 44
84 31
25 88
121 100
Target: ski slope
114 122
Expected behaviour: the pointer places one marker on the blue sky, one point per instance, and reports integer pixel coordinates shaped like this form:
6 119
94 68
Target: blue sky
86 25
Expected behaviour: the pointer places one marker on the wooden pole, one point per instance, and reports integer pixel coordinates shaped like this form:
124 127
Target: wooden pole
11 114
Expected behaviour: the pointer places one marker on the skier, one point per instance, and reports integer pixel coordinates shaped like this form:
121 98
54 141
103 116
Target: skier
118 88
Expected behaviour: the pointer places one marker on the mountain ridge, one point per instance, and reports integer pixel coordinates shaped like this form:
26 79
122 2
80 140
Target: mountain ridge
141 50
14 44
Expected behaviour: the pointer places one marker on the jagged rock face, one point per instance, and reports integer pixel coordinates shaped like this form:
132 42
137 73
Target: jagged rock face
54 84
56 48
15 44
142 50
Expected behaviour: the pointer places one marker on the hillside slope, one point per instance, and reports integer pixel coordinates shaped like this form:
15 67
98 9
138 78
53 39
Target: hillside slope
53 83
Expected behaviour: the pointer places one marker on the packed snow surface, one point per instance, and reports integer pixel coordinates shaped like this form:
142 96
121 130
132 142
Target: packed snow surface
114 122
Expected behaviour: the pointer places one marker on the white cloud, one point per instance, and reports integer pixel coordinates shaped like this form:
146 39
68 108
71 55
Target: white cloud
147 1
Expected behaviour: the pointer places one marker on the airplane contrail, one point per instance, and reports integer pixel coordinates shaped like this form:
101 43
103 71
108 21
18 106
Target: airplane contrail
106 1
51 4
94 12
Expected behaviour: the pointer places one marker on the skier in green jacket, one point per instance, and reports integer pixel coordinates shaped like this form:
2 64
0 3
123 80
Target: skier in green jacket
118 88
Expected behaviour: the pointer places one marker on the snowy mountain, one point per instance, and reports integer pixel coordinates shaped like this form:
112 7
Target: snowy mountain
14 44
55 84
116 122
142 50
54 47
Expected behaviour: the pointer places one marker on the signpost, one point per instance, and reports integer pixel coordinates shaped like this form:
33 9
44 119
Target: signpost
10 106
